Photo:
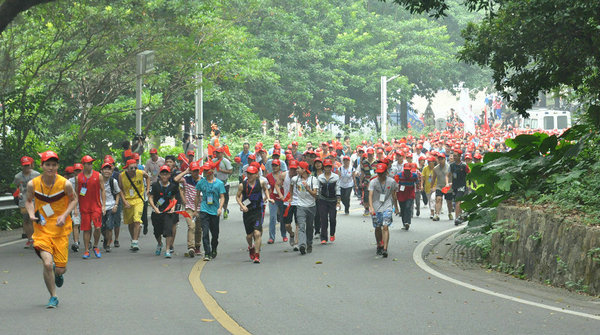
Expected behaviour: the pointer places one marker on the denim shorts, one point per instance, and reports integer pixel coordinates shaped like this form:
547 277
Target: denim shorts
382 219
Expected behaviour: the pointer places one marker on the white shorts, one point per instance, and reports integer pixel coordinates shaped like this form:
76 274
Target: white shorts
76 219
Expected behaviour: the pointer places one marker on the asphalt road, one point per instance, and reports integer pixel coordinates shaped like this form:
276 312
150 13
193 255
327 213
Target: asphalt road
341 288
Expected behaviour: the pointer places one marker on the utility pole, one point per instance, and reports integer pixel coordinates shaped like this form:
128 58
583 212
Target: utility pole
145 65
384 105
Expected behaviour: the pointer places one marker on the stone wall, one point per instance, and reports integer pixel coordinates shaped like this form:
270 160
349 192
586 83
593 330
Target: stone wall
544 247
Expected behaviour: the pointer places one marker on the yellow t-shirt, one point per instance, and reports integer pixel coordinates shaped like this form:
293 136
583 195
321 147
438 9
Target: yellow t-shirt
130 195
56 197
427 178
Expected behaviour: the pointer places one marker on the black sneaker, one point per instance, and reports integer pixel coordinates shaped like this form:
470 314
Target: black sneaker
302 250
75 247
406 226
384 253
379 250
418 212
214 254
309 249
457 222
117 244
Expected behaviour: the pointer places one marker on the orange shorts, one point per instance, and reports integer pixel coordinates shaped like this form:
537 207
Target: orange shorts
88 218
57 246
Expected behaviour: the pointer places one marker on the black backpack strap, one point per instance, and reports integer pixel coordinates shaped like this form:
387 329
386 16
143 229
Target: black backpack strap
135 188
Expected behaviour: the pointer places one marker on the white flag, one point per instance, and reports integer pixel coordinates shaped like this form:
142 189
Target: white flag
464 111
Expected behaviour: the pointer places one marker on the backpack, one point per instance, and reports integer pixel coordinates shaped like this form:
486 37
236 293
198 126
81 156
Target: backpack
112 187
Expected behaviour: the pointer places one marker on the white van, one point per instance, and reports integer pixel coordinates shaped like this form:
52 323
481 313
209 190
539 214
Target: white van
546 119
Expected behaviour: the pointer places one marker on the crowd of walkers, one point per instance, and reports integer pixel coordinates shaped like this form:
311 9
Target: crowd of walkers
303 188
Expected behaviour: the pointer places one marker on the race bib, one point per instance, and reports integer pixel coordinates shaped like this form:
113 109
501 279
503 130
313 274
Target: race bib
401 188
48 210
381 197
160 201
246 202
131 192
454 175
209 199
83 191
372 172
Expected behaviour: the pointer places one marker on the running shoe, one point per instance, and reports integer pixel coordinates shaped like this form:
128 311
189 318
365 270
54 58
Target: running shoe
206 258
291 239
379 250
431 217
270 241
418 212
251 251
86 255
309 249
214 254
457 222
225 214
295 248
197 251
347 212
158 250
29 244
135 246
75 247
323 241
285 239
167 254
117 244
257 258
436 218
172 250
302 250
450 217
406 226
384 253
52 303
107 249
191 252
332 238
97 252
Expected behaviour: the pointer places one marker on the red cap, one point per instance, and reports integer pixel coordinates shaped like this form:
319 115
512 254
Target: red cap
277 146
289 157
207 167
381 168
276 152
47 155
106 164
468 156
255 164
153 151
252 156
345 158
458 151
318 160
87 159
327 162
252 169
422 158
303 165
165 168
370 151
69 169
379 150
77 166
295 143
128 153
136 156
408 166
276 162
478 156
293 164
129 162
190 153
109 159
195 166
26 160
237 159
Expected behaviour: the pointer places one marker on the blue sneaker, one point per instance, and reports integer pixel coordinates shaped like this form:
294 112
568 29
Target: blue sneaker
58 279
97 253
167 254
52 303
158 250
86 255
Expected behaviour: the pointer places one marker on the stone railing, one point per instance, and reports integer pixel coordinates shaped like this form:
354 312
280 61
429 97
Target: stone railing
542 246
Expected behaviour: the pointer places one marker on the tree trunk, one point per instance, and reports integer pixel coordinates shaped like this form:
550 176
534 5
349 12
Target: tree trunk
11 8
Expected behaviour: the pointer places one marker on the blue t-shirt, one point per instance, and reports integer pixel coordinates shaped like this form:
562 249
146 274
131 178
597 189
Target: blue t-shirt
210 191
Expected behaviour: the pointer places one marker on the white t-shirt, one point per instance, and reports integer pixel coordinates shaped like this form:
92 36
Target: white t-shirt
304 198
346 179
377 188
110 199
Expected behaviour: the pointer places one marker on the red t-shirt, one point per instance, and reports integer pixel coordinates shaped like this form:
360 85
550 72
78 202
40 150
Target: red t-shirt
90 202
408 180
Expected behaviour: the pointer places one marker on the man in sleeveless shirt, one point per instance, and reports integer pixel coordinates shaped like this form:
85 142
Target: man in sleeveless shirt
92 200
54 200
250 196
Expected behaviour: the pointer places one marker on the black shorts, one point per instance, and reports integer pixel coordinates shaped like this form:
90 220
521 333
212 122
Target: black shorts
163 224
252 220
447 196
291 215
458 194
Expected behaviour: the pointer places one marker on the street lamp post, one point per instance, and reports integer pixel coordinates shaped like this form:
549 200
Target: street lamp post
384 105
145 65
199 112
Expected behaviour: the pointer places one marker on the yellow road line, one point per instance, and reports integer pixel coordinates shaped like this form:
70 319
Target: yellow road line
211 304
